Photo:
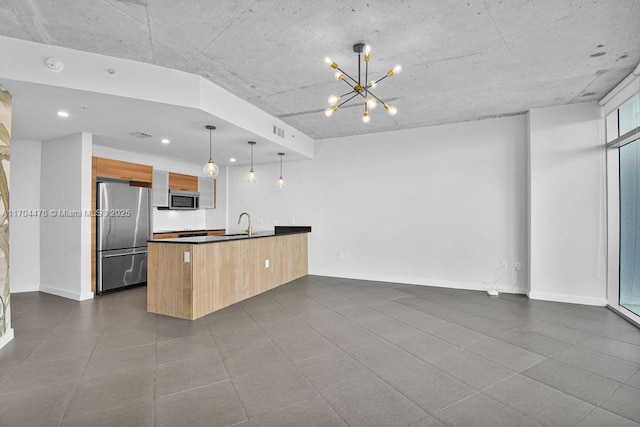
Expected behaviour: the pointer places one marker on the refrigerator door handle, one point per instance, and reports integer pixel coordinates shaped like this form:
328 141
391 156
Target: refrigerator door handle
124 254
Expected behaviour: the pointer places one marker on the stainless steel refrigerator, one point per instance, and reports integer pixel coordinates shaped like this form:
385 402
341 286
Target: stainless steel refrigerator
123 226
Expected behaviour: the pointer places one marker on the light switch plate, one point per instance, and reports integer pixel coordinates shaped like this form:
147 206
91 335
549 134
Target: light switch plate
187 256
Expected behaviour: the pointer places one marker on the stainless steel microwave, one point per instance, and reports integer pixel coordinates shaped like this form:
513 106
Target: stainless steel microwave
184 200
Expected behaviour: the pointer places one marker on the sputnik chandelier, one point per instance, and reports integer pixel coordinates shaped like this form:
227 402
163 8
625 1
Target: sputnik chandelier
359 87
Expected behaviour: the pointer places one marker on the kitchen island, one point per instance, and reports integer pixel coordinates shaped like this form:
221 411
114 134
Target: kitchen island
191 277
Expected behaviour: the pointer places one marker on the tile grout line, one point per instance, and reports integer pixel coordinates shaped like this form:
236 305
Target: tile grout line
465 348
504 379
350 358
293 363
512 310
481 392
64 413
413 355
228 374
520 372
155 371
509 309
364 366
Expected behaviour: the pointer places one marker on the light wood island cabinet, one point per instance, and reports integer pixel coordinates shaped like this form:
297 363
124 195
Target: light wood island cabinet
191 277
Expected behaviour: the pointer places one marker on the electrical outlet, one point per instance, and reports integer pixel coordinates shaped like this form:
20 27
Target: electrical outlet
518 266
266 263
340 255
274 222
187 256
292 222
305 222
503 265
260 221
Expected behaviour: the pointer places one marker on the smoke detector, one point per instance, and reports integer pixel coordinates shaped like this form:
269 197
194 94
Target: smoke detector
55 64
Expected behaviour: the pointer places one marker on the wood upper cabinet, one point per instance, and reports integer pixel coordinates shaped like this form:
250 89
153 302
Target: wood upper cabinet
178 181
117 169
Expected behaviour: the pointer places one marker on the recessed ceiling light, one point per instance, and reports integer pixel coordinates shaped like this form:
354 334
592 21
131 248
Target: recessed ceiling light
165 141
233 159
63 114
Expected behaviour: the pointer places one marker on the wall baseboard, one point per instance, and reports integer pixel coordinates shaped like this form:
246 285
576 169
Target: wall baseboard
572 299
6 338
21 289
469 286
65 293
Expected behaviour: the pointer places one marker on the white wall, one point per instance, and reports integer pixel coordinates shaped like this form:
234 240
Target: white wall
436 206
567 204
65 184
176 220
24 238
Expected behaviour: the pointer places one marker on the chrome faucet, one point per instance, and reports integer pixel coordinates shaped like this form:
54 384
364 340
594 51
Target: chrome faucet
248 230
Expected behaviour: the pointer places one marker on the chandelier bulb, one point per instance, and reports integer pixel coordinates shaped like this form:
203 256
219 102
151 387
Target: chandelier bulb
391 109
372 84
395 70
371 103
333 100
365 117
339 75
251 176
329 111
330 62
367 52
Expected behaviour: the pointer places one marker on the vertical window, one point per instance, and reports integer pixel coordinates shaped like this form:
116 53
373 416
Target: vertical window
629 115
630 226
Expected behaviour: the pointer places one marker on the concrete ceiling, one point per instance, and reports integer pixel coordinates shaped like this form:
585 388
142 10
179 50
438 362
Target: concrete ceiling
462 60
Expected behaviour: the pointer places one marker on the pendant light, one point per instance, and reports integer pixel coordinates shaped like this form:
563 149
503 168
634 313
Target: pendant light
210 169
280 183
251 176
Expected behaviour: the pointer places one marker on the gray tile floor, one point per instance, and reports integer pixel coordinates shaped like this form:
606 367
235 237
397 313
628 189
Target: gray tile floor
321 352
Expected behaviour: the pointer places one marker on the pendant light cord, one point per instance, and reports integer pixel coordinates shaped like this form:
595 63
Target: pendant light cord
210 158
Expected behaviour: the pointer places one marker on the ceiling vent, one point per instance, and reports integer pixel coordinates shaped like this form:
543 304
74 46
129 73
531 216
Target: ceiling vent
140 135
278 131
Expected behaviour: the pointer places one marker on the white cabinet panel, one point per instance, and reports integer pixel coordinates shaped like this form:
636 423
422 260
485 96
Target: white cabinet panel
207 190
160 188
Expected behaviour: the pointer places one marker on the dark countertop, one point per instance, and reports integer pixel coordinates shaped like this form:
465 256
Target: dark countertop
231 237
187 231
